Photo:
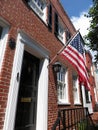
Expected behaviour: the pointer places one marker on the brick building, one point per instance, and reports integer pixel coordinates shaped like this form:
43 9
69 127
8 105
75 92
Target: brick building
96 80
31 34
90 70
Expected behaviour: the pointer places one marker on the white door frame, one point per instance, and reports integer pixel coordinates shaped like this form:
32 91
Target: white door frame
24 42
88 105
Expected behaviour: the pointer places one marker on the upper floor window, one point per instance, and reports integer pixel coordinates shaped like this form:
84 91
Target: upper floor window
76 89
62 86
87 96
39 6
68 35
40 3
59 28
3 38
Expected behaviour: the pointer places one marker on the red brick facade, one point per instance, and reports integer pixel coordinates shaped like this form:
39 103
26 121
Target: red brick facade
91 76
21 17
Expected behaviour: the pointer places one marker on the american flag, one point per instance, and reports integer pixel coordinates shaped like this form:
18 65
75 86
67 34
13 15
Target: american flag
74 53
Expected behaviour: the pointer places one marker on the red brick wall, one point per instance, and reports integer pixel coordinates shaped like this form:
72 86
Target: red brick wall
91 77
20 17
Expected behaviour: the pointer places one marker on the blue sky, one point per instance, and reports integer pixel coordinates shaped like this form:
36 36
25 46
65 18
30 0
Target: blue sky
76 10
75 7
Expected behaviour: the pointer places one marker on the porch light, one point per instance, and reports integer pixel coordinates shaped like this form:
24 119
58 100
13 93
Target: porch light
12 43
57 67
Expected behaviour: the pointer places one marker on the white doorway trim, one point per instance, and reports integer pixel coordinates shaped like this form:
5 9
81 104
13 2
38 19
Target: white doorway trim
24 42
88 105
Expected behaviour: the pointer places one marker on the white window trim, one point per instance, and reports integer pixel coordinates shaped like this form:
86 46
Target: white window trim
66 97
76 93
88 105
61 36
38 11
42 103
3 40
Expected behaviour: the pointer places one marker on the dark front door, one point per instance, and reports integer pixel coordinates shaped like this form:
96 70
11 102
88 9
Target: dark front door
27 97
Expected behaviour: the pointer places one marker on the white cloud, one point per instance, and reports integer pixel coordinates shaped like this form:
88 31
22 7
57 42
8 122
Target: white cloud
81 23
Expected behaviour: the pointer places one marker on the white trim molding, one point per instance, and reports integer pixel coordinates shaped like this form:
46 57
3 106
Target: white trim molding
88 105
26 43
4 36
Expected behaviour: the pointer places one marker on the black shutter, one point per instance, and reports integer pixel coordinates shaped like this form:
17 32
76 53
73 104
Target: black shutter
50 17
1 29
56 24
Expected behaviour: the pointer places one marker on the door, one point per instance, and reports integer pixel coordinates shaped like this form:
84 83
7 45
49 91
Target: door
27 96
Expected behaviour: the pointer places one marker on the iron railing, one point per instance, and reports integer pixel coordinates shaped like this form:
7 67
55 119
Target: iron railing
74 119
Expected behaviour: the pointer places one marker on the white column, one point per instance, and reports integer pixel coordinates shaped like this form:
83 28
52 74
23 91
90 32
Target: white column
42 103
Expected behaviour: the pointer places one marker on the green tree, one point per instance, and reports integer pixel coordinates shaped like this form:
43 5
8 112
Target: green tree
92 36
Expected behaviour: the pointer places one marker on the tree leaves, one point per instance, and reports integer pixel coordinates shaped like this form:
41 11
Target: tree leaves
92 35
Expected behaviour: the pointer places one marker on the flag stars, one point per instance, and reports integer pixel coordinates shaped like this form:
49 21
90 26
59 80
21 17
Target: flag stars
77 44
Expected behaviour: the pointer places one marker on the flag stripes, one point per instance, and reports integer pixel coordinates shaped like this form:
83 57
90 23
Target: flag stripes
74 54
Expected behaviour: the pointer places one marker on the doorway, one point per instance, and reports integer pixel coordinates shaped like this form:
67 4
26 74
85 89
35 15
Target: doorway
27 96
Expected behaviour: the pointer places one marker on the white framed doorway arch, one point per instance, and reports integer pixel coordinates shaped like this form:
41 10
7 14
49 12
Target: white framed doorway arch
26 43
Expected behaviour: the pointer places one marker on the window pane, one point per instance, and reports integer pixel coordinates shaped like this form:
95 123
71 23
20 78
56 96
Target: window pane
68 35
62 85
87 96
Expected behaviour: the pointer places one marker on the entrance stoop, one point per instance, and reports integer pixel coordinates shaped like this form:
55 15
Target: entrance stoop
95 119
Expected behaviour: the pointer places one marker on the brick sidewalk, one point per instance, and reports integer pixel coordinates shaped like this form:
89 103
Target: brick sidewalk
95 118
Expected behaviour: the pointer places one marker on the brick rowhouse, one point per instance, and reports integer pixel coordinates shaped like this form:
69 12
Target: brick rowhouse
18 17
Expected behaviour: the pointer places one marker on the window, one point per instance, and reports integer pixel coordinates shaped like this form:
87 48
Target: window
76 89
87 96
3 38
50 17
62 86
68 35
39 7
61 33
59 29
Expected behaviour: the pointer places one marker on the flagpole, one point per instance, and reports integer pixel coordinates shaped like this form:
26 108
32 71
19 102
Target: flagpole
63 47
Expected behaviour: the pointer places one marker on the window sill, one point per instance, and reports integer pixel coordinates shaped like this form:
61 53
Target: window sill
77 103
64 103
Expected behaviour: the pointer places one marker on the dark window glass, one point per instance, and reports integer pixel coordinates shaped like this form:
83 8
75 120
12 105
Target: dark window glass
56 24
68 35
87 96
1 31
50 17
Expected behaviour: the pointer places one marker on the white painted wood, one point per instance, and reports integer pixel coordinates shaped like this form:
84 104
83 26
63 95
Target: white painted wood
88 105
42 109
14 86
24 42
3 40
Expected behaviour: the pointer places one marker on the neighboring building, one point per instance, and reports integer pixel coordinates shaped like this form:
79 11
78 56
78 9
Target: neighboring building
31 34
96 81
92 97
